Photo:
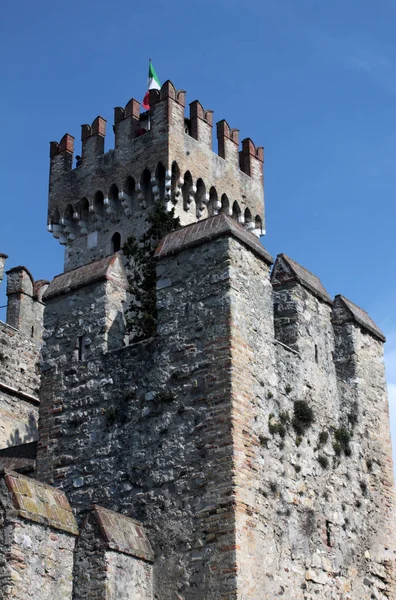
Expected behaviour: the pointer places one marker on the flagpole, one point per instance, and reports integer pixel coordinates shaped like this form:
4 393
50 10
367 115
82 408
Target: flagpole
148 120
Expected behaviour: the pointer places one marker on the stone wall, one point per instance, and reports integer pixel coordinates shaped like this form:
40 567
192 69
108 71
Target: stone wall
166 406
240 436
20 344
37 533
113 558
19 386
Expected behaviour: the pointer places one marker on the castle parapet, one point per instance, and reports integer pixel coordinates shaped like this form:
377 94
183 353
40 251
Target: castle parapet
127 124
37 549
61 156
25 306
251 159
345 311
99 291
289 280
121 547
351 323
201 123
228 141
160 155
93 139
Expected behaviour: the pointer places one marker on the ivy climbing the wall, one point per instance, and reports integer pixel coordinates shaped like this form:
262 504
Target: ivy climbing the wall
139 253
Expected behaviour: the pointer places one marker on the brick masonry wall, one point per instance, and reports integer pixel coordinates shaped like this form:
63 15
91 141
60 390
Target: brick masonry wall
87 234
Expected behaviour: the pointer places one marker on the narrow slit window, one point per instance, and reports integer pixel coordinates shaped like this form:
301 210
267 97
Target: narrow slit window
328 534
316 353
80 347
116 242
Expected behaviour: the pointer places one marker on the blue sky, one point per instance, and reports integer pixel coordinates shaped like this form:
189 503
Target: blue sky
312 81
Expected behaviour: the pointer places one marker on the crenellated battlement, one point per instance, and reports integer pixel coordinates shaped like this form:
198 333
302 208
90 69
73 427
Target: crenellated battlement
159 155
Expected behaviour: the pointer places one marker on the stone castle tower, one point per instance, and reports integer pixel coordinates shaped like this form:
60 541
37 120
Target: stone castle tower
241 451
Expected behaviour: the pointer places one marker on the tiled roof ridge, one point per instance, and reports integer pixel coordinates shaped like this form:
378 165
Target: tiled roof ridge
307 279
208 229
80 276
122 533
39 502
361 317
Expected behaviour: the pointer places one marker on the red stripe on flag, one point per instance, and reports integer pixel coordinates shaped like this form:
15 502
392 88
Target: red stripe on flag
145 103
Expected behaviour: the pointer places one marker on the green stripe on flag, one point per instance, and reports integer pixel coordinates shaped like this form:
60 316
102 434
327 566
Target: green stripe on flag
152 74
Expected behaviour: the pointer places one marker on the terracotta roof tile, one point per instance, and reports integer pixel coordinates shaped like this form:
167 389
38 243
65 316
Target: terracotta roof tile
39 502
96 271
361 317
123 534
304 277
209 229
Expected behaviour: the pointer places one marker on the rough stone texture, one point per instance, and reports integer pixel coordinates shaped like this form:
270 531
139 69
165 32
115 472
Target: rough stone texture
287 270
37 537
345 310
25 307
328 514
183 432
20 343
113 192
248 439
165 405
113 558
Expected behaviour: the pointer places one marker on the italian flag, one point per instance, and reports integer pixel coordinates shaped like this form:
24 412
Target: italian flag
152 84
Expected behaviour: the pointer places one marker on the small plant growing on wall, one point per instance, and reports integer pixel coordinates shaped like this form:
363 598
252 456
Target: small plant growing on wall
342 437
276 427
303 417
323 437
323 461
263 441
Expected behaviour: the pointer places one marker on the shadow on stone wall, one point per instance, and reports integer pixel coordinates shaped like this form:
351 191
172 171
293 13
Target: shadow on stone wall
116 333
30 434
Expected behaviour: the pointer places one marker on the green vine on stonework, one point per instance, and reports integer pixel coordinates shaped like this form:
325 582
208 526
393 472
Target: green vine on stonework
139 254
